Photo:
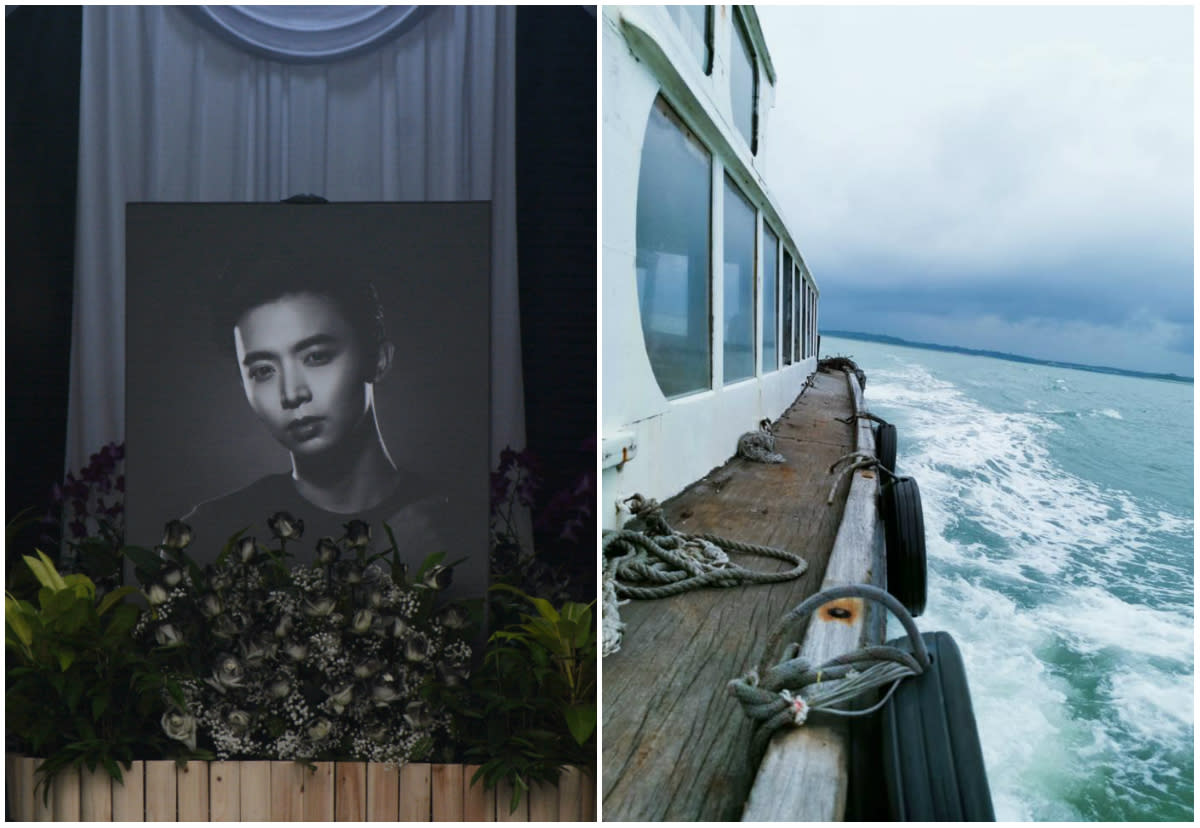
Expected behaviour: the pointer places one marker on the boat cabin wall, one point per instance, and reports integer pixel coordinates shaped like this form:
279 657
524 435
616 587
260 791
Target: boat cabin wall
654 444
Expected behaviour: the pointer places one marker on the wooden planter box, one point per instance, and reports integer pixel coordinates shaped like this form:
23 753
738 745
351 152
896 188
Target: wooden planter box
286 791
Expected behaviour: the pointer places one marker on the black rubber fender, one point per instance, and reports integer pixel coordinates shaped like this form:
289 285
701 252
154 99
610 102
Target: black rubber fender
904 533
932 759
885 446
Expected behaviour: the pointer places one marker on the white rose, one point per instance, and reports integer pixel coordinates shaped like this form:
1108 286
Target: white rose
180 726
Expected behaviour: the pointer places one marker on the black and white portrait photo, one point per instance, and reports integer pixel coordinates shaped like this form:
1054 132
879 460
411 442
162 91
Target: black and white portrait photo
329 361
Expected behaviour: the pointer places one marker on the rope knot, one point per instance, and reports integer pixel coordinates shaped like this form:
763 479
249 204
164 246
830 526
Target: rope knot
797 705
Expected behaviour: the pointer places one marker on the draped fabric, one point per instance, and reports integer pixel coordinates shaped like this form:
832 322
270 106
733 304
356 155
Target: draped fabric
170 112
307 33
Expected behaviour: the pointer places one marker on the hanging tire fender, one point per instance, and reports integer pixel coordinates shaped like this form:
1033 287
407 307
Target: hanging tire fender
904 533
885 446
932 758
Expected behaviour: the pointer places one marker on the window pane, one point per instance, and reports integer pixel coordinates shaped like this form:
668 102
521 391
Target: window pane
743 84
674 190
786 331
693 23
739 284
799 288
770 358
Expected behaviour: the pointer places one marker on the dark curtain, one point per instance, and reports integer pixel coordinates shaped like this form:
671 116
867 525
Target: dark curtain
556 253
41 61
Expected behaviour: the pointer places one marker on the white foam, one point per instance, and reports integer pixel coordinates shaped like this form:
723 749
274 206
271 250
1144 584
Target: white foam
1111 413
1060 542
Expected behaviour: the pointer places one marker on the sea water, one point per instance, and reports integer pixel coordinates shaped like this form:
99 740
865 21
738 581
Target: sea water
1059 532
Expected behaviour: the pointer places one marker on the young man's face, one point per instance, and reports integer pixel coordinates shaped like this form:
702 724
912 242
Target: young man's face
304 371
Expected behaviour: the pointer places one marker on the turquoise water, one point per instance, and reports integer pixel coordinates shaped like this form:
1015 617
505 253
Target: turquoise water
1059 528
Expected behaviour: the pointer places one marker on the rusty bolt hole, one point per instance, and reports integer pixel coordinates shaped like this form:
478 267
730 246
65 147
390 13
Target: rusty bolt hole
839 612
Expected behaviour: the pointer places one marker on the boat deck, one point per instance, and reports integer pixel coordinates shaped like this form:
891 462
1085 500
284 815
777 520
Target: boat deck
676 744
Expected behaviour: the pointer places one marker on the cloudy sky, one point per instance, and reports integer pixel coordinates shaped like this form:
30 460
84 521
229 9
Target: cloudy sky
1012 178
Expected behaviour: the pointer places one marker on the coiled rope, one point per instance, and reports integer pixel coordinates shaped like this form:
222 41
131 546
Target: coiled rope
658 562
784 694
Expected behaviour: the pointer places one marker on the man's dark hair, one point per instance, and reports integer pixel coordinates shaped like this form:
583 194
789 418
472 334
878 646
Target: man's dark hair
323 270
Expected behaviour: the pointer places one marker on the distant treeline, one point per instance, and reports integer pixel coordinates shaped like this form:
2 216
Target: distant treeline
1099 369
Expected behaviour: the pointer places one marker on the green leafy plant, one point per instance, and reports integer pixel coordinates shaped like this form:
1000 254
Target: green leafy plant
534 702
77 692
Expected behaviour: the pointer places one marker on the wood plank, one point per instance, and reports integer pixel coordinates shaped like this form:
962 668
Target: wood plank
224 792
95 795
504 811
191 785
350 792
416 792
287 791
570 795
64 796
447 794
43 796
675 742
129 795
15 790
160 791
318 793
255 791
543 802
383 792
479 804
587 802
803 775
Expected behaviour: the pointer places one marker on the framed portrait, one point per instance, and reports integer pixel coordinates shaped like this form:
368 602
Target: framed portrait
330 361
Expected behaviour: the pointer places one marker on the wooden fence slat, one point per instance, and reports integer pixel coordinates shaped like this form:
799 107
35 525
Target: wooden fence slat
191 784
587 802
318 793
383 792
16 789
64 796
129 796
43 808
287 791
224 792
95 795
479 805
415 790
543 802
350 792
570 789
12 790
255 791
504 812
447 785
160 791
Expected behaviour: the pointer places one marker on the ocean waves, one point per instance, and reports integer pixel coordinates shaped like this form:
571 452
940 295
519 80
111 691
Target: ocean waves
1065 578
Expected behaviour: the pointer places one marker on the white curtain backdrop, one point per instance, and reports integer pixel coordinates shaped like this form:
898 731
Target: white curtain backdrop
310 33
171 112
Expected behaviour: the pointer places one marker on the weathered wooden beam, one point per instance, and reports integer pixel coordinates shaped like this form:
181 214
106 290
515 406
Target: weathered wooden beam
803 776
676 743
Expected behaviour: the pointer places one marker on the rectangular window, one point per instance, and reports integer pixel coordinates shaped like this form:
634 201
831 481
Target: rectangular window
743 84
695 23
739 284
796 329
807 315
770 290
785 334
673 236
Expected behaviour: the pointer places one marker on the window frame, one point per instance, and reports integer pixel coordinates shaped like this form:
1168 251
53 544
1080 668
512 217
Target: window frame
742 31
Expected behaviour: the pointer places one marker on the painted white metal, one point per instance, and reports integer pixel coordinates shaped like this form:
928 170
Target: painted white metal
677 441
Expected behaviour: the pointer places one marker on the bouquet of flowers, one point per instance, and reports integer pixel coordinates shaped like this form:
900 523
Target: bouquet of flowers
341 658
